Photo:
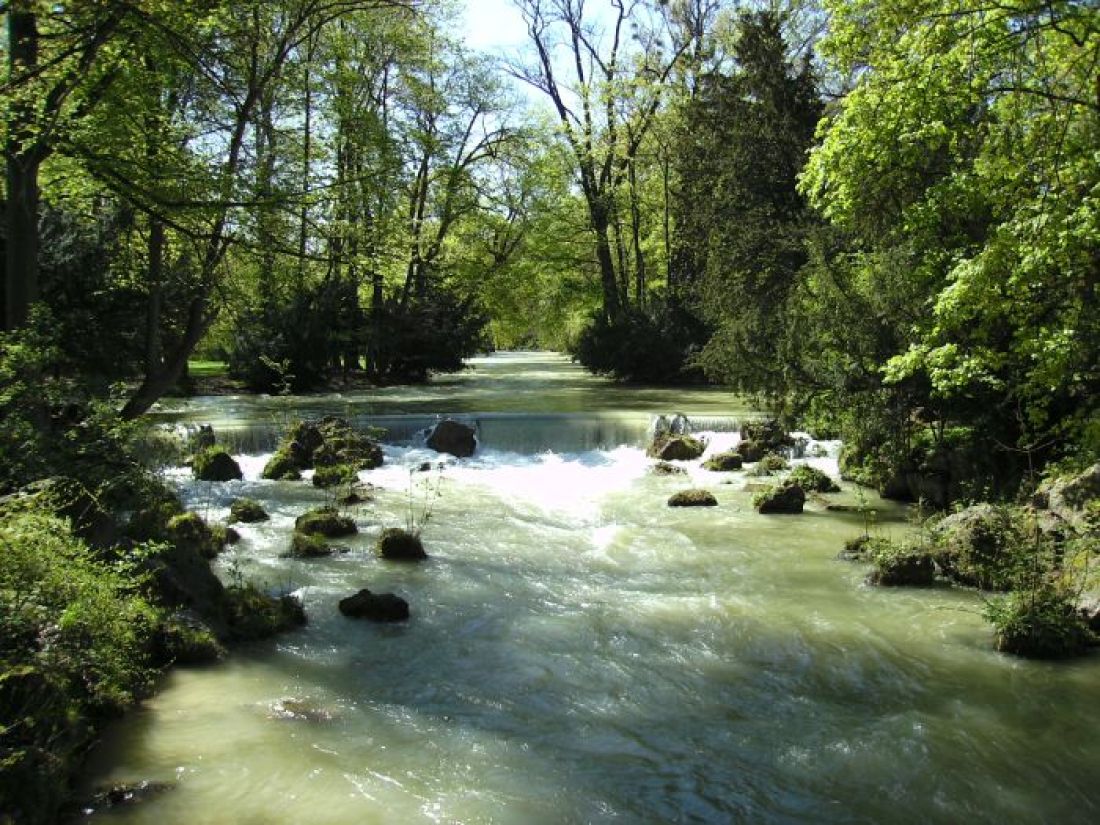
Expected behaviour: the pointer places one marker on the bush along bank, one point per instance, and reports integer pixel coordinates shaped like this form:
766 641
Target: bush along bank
1037 564
92 608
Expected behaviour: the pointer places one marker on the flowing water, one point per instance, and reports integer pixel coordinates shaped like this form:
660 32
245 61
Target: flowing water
580 652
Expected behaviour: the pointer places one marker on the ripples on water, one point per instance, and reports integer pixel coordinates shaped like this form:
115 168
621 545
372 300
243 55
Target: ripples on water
579 652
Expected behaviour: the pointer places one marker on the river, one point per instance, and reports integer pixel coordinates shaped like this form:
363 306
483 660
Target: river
580 652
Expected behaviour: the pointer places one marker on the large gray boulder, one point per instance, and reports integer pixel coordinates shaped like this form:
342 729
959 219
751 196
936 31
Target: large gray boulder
454 438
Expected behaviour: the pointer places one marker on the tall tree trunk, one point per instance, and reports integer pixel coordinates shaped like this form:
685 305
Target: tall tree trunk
307 161
22 157
612 306
636 237
153 347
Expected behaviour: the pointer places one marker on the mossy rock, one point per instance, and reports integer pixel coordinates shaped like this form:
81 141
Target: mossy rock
308 546
693 498
281 467
676 448
185 639
396 544
247 510
751 451
985 546
190 531
813 480
724 462
334 475
326 442
327 522
785 498
150 521
253 614
769 464
769 434
1039 623
663 468
902 566
215 464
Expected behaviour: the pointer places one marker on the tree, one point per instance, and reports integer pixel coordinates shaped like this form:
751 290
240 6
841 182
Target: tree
740 221
966 154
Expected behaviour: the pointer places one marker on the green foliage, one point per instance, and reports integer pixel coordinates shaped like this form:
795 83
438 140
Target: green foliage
654 345
1038 623
920 165
74 647
741 221
813 480
334 475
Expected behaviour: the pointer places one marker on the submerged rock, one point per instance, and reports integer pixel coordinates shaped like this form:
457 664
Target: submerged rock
663 468
215 464
396 544
454 438
299 710
377 607
693 498
126 793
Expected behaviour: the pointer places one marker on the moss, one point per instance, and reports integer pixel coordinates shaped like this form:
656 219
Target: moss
396 544
215 464
676 448
325 521
247 510
663 468
812 480
308 546
724 462
150 521
1040 623
334 475
184 639
985 546
902 565
769 464
190 531
693 498
253 614
281 467
786 497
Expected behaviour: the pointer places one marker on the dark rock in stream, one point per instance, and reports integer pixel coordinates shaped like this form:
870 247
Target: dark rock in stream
327 522
787 498
377 607
454 438
663 468
724 462
215 464
125 793
693 498
396 544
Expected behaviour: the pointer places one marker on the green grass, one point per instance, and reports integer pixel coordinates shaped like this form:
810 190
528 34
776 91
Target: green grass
207 369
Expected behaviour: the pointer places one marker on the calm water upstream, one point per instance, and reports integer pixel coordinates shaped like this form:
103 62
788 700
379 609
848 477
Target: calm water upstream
580 652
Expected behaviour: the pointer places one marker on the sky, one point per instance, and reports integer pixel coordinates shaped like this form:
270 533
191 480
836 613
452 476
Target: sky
494 26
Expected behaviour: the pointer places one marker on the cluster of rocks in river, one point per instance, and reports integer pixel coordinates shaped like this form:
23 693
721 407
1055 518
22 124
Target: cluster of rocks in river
762 445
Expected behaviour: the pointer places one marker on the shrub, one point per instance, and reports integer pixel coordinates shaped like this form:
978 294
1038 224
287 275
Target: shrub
812 480
74 648
1038 623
